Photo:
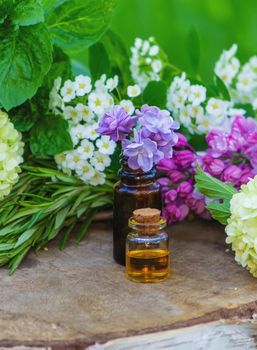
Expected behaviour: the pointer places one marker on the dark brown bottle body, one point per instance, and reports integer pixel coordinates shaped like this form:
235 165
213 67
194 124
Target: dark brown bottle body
135 190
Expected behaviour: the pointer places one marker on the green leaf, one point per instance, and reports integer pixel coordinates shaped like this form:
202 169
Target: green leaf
23 117
27 12
213 188
61 67
118 55
26 55
220 211
76 24
221 88
198 142
98 61
25 236
193 44
17 260
84 227
155 94
61 216
50 136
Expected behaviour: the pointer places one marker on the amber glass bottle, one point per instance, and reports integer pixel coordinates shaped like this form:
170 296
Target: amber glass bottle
136 189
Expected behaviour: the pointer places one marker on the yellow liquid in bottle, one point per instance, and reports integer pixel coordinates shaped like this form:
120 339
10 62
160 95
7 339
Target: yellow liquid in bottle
147 265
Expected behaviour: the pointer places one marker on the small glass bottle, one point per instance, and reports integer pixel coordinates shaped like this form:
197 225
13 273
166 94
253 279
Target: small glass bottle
147 247
136 189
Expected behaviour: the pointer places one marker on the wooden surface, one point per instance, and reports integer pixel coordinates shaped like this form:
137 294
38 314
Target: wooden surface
78 297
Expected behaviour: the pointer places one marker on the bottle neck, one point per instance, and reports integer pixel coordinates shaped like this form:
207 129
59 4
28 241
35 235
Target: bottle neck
138 177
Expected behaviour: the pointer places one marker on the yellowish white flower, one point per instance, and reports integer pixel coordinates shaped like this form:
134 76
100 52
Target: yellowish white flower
100 161
146 61
68 91
85 171
112 83
133 90
90 132
72 114
86 149
217 107
78 133
197 94
85 112
105 145
97 179
128 106
82 85
98 102
74 160
242 226
156 66
11 151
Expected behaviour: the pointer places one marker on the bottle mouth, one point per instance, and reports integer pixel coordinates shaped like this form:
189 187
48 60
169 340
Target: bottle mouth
147 227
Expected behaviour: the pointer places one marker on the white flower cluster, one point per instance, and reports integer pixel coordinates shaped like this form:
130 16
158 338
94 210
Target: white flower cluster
191 107
241 80
242 226
146 61
11 151
82 104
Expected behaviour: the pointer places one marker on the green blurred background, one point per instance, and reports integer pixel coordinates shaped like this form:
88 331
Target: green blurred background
219 23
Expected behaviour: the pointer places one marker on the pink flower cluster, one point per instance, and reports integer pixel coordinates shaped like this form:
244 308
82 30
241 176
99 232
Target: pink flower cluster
232 154
179 195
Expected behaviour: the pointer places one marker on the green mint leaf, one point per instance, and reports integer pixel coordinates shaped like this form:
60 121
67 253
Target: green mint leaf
193 44
61 67
27 12
98 61
155 93
221 88
213 188
50 136
23 117
118 55
76 24
26 55
220 211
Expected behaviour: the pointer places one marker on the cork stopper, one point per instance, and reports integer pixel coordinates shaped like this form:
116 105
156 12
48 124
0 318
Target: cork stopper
147 215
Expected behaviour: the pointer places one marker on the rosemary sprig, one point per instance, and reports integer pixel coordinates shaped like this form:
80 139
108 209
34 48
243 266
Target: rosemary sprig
44 203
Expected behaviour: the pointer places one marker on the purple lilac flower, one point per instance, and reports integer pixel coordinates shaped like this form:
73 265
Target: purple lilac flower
159 126
232 154
179 195
116 123
141 153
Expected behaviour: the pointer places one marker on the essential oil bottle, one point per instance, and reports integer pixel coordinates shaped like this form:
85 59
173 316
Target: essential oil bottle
147 247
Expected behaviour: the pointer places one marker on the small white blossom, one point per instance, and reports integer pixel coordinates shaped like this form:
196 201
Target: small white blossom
197 94
100 161
74 160
97 102
86 149
133 91
184 116
83 85
106 145
72 114
156 66
78 133
85 112
90 132
128 106
216 107
97 179
154 50
85 171
112 83
68 91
